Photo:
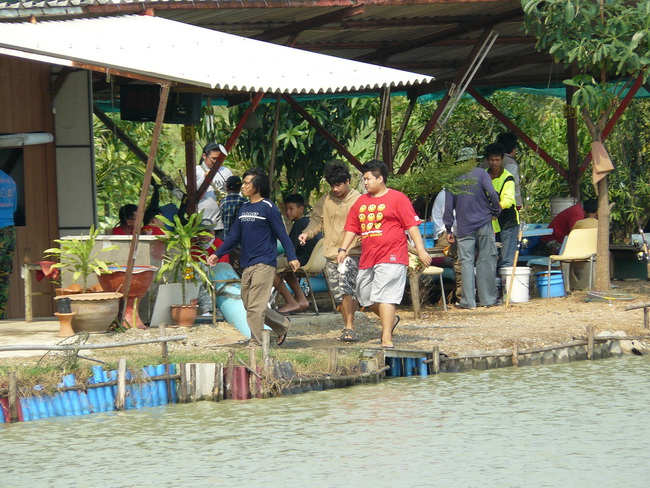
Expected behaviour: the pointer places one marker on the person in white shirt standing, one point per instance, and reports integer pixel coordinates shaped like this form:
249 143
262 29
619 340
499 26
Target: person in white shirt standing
209 202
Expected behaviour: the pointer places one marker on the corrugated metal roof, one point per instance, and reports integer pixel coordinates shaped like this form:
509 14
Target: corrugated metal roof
165 49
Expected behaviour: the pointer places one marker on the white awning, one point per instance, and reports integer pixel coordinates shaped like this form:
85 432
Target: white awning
168 50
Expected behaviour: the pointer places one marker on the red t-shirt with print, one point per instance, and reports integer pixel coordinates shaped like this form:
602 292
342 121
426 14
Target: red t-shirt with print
381 222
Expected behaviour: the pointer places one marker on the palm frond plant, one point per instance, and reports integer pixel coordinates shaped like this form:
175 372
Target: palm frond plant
185 260
78 256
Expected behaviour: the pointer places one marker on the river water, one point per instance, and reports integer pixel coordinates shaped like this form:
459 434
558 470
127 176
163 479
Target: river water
573 425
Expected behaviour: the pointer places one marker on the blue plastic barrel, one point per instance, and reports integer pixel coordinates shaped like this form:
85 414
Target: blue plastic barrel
409 366
557 284
423 368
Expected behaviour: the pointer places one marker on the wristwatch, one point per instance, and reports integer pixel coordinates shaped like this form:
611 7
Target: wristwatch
342 249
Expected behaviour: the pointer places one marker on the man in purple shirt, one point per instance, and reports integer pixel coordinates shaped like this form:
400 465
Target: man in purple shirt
257 228
476 203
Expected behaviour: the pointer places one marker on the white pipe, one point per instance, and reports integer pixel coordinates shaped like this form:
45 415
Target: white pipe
25 139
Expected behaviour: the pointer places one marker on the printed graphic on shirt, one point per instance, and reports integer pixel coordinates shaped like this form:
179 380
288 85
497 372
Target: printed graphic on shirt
250 216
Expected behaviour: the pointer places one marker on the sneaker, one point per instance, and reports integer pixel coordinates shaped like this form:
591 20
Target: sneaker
206 314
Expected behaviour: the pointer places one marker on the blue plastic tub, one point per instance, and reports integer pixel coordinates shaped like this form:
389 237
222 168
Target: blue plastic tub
557 284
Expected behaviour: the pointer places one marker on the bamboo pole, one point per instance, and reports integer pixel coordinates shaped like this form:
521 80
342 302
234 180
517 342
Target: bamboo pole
182 384
252 379
590 341
218 382
435 360
120 398
514 264
192 388
230 372
13 398
333 362
515 353
266 344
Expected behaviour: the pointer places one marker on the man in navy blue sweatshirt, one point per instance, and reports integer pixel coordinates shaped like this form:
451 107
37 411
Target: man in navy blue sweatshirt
476 204
257 228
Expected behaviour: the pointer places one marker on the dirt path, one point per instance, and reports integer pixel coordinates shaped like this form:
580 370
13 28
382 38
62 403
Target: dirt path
538 322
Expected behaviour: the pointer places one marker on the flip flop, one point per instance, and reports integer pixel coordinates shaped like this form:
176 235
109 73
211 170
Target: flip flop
280 340
397 319
388 345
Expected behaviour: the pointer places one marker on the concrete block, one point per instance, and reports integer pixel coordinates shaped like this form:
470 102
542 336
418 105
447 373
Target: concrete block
492 362
581 353
547 357
505 361
562 356
534 359
480 364
615 348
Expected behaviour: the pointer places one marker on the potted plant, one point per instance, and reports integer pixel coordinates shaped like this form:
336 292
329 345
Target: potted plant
184 262
93 312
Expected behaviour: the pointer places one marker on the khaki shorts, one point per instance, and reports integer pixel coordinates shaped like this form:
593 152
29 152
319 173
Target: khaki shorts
383 283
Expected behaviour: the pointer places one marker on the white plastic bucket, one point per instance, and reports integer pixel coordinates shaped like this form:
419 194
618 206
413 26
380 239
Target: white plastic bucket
520 286
560 203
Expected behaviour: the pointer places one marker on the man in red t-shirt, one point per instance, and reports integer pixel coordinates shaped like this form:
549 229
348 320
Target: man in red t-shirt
381 217
563 223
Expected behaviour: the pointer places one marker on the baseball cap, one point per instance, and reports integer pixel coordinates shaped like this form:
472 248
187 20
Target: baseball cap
466 153
213 146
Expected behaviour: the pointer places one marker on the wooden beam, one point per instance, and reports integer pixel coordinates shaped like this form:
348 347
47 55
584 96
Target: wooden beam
617 115
137 226
322 131
405 122
459 79
518 132
365 45
127 141
485 22
319 20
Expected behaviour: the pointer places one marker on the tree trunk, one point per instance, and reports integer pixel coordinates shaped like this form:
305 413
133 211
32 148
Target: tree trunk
602 253
414 283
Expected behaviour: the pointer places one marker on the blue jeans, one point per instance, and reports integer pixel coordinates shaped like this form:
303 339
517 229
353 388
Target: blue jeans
508 246
478 247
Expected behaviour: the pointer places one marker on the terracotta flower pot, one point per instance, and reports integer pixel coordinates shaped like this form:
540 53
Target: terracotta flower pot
184 315
140 282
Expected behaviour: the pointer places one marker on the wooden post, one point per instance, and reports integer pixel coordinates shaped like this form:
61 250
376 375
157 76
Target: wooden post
120 398
590 341
646 318
27 275
182 384
515 353
229 374
266 344
435 365
252 379
217 394
334 356
13 398
192 388
165 356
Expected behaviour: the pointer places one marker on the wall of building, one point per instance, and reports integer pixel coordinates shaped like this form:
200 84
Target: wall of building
25 105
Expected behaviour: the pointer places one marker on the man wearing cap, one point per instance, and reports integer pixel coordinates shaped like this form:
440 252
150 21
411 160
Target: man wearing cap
231 203
209 201
476 204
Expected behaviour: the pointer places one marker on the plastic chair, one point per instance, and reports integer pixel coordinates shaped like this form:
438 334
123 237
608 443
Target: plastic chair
313 267
579 246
